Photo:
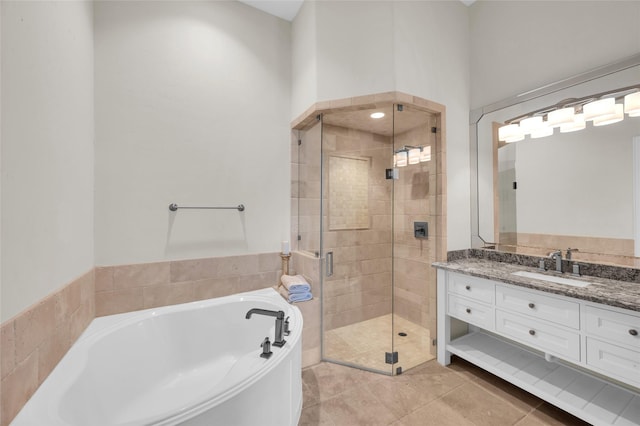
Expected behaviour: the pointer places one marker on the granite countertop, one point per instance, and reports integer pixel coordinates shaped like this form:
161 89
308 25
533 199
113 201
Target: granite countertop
621 294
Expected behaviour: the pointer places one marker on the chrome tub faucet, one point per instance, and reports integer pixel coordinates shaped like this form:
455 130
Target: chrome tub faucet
280 323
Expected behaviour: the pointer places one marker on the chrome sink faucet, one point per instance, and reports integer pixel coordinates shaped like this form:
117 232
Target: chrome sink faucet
557 256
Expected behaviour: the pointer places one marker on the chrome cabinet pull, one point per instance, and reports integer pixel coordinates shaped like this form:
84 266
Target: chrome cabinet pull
467 287
468 310
329 268
633 332
532 332
532 305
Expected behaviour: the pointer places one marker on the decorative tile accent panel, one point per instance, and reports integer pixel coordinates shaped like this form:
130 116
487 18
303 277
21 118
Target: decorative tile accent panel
33 342
348 192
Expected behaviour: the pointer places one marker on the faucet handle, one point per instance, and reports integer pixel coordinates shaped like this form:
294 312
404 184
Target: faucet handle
266 348
286 327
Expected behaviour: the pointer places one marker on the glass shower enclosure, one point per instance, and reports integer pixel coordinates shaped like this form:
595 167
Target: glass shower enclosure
366 190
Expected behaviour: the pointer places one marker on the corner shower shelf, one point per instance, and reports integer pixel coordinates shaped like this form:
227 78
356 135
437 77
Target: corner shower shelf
597 401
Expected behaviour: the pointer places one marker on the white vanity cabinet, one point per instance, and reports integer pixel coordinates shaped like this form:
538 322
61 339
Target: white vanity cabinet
581 356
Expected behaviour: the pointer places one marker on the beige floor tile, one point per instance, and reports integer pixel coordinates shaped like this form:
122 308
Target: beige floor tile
482 407
430 394
436 413
315 415
358 406
547 414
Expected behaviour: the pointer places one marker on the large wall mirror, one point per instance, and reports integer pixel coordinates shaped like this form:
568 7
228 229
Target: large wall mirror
578 190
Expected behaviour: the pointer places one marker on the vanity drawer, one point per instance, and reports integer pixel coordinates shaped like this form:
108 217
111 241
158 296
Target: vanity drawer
471 287
613 326
611 359
539 335
563 312
470 311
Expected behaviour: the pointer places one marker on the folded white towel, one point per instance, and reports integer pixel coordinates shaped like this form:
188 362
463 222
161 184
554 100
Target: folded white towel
295 283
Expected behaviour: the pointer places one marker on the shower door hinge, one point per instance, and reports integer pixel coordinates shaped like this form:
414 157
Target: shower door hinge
434 130
299 142
434 342
299 237
391 357
318 117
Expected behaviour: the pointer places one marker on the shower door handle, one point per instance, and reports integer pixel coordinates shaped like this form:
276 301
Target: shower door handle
329 260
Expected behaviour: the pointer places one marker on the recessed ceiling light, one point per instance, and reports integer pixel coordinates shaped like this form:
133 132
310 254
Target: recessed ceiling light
377 115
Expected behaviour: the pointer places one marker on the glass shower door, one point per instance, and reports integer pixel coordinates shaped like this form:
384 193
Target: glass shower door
357 238
414 249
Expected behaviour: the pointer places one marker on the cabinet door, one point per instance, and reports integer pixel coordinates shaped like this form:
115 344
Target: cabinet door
621 363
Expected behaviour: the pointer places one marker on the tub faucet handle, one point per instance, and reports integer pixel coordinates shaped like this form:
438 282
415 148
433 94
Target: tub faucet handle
266 348
286 331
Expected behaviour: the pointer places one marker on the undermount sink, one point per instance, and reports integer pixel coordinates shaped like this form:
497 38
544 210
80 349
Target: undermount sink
551 278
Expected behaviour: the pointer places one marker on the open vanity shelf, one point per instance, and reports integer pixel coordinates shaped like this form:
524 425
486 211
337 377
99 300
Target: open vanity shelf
580 356
595 400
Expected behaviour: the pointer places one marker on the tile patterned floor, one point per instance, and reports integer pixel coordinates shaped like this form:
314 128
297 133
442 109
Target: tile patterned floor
365 343
430 394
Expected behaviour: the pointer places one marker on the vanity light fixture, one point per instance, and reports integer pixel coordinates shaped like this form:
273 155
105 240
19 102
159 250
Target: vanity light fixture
425 154
377 115
510 133
543 131
614 117
598 110
411 155
577 124
401 158
572 114
531 124
632 104
561 116
414 155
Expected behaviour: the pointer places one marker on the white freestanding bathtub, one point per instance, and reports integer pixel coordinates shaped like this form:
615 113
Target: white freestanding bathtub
192 364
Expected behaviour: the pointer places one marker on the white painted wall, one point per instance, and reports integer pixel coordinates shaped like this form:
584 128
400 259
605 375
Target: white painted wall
47 148
431 45
192 107
521 45
355 50
304 75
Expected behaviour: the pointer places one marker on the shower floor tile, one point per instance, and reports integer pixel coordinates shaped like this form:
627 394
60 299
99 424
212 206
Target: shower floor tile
365 343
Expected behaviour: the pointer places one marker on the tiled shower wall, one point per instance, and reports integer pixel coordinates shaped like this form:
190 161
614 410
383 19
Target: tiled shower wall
360 288
415 201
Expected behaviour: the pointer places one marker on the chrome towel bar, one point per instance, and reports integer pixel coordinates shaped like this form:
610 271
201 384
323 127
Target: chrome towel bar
174 207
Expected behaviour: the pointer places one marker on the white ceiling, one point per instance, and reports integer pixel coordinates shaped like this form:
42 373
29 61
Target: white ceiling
288 9
285 9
